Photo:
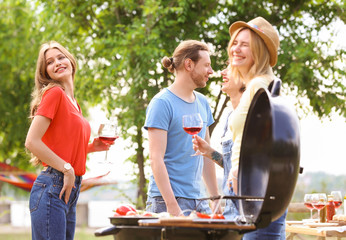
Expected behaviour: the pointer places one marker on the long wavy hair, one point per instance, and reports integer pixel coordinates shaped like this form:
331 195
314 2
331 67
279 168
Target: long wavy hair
43 82
260 53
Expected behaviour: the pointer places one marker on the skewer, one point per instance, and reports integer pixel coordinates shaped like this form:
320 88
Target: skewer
246 198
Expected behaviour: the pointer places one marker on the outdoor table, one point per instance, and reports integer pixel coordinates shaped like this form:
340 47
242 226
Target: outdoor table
294 229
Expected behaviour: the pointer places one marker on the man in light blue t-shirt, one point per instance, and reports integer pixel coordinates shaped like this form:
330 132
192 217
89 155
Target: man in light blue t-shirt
176 182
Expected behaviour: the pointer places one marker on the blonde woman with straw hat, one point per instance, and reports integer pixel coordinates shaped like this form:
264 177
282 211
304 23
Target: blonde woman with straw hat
252 53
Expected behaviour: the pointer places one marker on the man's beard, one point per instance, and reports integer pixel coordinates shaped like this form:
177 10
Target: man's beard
198 79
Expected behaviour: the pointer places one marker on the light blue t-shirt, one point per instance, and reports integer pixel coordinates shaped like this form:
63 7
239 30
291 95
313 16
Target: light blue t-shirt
165 111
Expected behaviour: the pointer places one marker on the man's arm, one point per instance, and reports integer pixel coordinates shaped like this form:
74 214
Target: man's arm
157 148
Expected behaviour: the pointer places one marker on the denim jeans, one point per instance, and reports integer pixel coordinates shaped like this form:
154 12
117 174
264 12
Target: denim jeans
157 205
230 212
275 231
51 217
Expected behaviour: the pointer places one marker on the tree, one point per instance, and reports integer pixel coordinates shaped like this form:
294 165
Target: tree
119 45
19 42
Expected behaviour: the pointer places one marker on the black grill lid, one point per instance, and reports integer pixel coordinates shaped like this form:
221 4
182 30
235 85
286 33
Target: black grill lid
269 156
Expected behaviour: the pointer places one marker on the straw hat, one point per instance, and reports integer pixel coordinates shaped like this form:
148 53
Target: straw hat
266 31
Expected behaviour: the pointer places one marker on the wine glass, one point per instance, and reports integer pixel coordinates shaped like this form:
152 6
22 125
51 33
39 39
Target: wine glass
107 134
319 201
308 203
337 199
193 124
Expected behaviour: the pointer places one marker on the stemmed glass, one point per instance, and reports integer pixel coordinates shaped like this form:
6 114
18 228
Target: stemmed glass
107 134
337 199
319 201
308 203
193 124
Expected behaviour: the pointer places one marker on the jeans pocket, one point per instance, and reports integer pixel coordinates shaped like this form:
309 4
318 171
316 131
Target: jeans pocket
74 195
158 205
35 195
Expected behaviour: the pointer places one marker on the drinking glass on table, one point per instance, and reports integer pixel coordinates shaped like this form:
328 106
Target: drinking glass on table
308 203
193 124
337 199
319 201
107 134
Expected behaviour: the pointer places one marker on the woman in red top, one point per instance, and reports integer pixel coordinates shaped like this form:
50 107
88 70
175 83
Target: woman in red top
58 138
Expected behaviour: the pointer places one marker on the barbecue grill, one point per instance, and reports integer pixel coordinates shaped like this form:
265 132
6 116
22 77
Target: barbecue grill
268 171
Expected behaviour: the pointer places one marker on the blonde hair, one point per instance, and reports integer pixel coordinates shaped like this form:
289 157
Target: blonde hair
43 82
260 54
186 49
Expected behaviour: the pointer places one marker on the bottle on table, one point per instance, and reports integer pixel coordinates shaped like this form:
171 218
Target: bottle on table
323 215
330 208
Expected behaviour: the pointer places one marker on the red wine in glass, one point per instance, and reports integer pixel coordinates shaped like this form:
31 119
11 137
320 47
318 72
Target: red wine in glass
319 201
308 203
107 134
193 124
309 206
108 140
319 206
192 130
337 198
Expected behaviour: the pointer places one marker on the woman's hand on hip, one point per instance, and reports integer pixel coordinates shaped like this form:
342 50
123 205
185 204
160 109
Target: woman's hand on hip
69 179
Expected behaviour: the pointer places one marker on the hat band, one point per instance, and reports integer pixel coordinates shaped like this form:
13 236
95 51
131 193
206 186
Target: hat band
255 26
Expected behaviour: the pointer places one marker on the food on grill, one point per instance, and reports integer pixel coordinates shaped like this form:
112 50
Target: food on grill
124 209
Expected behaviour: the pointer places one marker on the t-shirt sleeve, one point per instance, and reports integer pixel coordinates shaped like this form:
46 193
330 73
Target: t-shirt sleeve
204 103
50 102
158 115
210 116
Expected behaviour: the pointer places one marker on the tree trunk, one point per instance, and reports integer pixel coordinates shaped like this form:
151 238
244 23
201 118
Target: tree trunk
217 114
141 193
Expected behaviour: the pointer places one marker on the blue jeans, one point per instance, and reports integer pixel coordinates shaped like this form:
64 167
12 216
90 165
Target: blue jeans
157 205
51 217
230 212
275 231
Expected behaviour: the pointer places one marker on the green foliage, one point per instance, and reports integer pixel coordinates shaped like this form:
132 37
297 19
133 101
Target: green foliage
119 46
17 66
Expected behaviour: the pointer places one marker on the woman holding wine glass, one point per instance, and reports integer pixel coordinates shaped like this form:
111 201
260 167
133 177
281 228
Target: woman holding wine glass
252 52
58 139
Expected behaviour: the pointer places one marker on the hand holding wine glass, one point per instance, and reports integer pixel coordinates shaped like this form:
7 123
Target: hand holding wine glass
107 134
193 124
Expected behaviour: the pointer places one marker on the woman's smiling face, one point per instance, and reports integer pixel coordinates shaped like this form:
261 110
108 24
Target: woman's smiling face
229 84
241 55
58 66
